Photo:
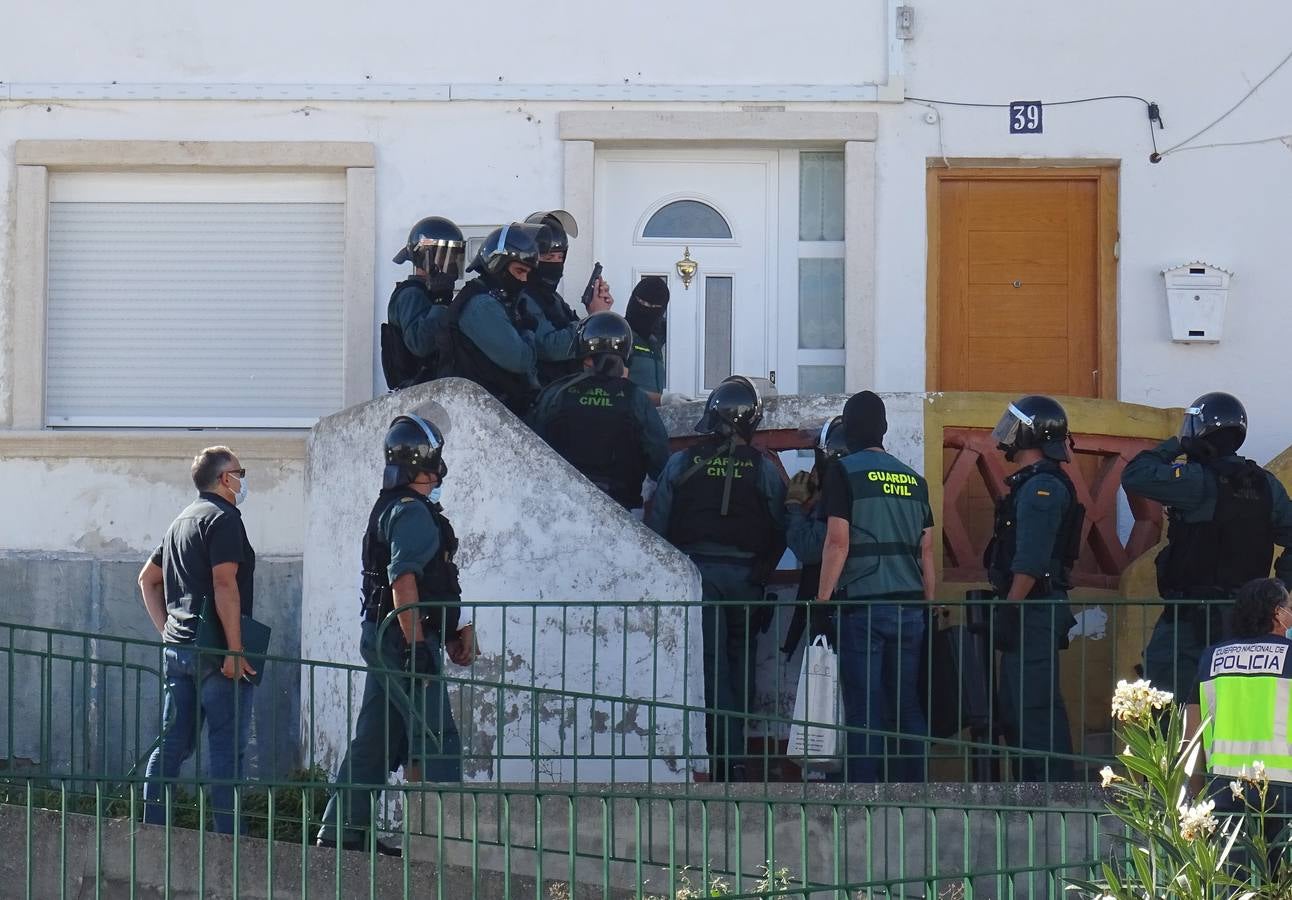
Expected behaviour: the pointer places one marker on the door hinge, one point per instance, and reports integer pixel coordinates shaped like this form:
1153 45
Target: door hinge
1117 249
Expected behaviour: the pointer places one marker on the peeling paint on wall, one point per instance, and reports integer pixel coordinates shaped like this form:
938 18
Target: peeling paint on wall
525 520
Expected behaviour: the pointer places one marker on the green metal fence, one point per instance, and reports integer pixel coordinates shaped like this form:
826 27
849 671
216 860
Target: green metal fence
589 773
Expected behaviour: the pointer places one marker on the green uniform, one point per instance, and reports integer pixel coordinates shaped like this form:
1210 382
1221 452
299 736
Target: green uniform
881 628
888 513
1030 540
1191 490
646 368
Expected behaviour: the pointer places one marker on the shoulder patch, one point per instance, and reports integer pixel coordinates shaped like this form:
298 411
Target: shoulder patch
407 500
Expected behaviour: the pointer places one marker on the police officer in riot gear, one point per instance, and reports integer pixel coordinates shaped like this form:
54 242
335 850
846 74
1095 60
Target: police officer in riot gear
877 570
600 421
487 337
805 526
417 306
1029 561
1224 516
405 719
722 502
555 339
645 313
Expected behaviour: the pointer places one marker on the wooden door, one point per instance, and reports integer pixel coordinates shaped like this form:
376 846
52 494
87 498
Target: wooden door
1021 281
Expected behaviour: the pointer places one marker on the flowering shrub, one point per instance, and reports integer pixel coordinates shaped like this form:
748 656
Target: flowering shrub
1173 845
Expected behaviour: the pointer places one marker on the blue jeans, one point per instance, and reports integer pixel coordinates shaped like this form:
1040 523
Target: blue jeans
402 720
197 694
879 667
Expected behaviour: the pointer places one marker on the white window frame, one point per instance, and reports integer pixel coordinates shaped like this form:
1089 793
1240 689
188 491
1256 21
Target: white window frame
36 160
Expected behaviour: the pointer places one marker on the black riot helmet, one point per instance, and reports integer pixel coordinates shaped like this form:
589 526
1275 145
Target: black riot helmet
1217 418
560 225
734 407
1034 422
831 441
508 244
413 445
604 334
436 245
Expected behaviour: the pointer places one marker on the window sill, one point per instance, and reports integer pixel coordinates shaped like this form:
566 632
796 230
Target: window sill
149 444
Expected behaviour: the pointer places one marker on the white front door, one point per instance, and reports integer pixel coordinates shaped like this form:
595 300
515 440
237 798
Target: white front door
652 207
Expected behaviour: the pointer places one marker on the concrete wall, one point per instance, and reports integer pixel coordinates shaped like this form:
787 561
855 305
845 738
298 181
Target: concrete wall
485 161
535 536
92 704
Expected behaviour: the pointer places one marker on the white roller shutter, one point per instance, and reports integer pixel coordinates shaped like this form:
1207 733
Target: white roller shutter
194 300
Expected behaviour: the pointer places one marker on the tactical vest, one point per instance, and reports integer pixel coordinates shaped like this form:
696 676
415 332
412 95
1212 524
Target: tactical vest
646 367
400 365
553 307
697 513
594 427
999 556
437 583
1246 699
459 357
1213 559
890 509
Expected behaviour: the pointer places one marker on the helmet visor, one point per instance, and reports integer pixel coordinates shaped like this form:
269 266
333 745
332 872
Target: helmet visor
1006 431
1192 424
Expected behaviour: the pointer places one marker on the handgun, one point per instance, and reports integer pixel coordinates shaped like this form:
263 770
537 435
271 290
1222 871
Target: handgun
592 285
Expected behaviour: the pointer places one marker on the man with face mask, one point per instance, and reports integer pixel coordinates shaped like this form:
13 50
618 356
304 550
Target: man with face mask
645 313
418 304
487 337
1224 516
1035 543
554 338
204 567
405 719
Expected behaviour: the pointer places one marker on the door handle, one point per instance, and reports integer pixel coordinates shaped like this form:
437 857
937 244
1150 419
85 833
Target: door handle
771 376
1017 283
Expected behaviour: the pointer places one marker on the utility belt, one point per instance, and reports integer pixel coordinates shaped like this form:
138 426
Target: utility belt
1044 588
849 605
989 613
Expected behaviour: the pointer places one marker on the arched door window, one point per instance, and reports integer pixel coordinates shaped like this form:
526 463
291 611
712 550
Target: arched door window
687 219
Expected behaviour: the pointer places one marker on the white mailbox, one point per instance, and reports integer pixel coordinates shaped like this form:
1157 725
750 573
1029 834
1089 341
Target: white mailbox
1196 295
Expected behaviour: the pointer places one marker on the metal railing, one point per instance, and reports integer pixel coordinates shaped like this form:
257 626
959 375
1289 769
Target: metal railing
594 772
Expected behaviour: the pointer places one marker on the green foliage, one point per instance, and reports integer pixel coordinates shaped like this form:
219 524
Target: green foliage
1171 845
306 792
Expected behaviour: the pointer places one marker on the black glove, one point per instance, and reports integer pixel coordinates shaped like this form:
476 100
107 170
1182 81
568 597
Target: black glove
417 659
524 321
1198 449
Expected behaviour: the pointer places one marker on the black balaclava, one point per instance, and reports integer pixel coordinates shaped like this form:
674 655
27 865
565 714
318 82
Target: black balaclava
645 319
550 273
865 421
1217 445
509 284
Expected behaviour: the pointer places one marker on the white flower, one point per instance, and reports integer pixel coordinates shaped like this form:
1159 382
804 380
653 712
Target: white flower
1197 821
1237 788
1136 701
1258 771
1109 776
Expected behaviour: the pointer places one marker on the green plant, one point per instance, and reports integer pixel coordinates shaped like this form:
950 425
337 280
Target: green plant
1173 845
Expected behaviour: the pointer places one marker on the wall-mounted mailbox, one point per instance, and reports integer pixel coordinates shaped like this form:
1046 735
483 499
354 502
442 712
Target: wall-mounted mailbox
1196 296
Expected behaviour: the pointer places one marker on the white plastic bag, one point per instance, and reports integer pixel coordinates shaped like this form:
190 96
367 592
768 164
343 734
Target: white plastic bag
818 744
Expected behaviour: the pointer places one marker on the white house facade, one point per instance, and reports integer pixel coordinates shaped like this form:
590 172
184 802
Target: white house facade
199 211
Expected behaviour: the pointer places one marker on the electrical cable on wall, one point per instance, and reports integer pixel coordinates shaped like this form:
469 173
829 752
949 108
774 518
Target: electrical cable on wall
1154 113
1200 132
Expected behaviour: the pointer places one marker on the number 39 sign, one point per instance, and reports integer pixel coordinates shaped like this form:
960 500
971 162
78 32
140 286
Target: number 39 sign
1025 117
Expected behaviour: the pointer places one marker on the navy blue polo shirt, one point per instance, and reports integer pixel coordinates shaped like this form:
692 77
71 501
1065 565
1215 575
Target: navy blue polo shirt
207 533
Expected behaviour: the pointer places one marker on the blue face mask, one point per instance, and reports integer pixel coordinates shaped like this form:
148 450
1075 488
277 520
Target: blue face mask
434 495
